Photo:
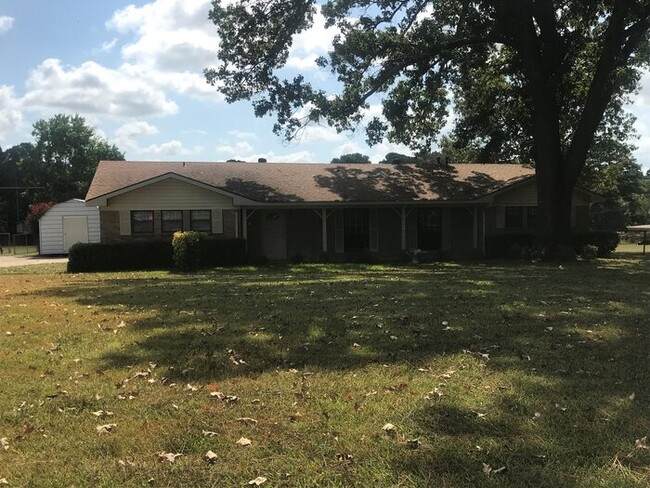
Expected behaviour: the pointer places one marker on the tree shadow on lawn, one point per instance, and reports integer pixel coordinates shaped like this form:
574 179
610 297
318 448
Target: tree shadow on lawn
575 335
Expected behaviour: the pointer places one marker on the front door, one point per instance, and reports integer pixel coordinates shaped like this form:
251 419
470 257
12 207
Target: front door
75 229
274 244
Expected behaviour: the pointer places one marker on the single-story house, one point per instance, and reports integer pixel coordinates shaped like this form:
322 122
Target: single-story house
67 223
323 211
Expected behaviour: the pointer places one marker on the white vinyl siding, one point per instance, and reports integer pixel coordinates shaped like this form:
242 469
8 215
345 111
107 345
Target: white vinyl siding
51 225
169 194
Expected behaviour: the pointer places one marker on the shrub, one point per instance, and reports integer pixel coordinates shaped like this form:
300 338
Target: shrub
590 252
187 251
222 252
501 245
606 242
120 257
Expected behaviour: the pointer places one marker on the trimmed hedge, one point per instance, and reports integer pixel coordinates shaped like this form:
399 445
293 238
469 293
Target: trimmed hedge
186 249
130 256
120 257
519 244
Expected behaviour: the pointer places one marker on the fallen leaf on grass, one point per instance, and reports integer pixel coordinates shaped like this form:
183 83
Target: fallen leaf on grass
210 457
413 443
102 413
190 388
488 470
631 397
3 481
248 421
4 442
638 444
209 433
390 430
168 457
345 458
105 429
257 481
244 442
294 417
126 464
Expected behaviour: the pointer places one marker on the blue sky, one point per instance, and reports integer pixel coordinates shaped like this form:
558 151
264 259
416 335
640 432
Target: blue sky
133 69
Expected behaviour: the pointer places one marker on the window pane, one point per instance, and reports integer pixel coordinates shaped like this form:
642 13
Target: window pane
171 220
514 217
201 220
142 222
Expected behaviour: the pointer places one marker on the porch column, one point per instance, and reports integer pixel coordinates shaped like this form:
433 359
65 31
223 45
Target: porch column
475 215
483 232
403 228
244 229
324 228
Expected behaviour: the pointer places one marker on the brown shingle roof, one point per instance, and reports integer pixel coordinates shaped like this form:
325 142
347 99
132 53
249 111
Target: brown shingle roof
326 183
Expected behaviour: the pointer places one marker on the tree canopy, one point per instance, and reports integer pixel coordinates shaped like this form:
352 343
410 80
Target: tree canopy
64 157
531 80
353 158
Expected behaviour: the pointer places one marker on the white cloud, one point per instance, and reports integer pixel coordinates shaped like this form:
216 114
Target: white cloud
173 35
6 23
309 45
294 157
92 88
11 116
243 135
171 148
108 46
236 150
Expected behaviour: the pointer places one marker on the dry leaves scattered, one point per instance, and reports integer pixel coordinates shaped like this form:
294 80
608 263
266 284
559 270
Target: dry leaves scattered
168 457
244 442
105 429
257 481
210 457
248 421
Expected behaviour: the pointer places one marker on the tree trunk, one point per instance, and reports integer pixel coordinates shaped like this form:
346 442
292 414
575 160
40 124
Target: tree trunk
554 195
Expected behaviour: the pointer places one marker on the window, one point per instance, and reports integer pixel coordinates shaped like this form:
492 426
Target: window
531 216
429 229
356 229
142 222
514 217
201 220
171 221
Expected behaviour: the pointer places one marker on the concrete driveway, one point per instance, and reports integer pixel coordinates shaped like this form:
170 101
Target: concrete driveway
9 261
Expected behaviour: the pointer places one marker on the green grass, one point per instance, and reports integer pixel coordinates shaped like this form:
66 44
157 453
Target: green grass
539 368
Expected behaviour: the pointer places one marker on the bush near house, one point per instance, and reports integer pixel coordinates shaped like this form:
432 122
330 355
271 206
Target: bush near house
120 257
152 255
186 249
518 245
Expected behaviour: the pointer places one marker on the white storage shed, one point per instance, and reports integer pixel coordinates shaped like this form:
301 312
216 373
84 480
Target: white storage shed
66 224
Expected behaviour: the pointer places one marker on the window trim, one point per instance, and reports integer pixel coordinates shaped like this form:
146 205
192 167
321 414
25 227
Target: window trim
149 221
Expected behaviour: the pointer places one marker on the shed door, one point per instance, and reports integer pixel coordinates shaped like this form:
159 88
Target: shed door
273 235
75 229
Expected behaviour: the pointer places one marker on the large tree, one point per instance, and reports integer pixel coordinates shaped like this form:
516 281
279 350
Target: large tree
548 76
64 158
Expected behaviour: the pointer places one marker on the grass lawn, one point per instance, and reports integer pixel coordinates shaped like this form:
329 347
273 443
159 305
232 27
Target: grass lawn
492 374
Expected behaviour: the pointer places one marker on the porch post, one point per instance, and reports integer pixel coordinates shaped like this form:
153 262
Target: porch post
324 227
483 233
244 227
403 228
475 214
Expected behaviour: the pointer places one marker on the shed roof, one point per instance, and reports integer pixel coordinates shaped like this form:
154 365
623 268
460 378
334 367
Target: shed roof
314 182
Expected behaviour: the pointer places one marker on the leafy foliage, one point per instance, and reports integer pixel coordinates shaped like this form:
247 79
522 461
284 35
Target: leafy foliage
186 246
36 211
535 80
64 157
352 158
